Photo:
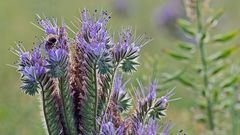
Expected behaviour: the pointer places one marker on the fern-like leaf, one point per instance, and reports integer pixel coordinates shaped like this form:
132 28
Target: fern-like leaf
66 98
89 108
51 106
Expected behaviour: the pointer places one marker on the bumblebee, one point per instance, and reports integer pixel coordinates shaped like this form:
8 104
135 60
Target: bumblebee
51 41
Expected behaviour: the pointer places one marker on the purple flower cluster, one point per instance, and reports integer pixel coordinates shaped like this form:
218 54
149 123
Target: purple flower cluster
57 62
149 129
56 55
31 66
144 100
109 129
119 88
94 36
48 26
148 108
149 105
80 84
126 45
55 47
46 57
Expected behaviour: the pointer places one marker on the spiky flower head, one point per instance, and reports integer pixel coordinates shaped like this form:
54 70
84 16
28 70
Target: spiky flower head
139 128
119 89
31 67
57 59
94 35
108 128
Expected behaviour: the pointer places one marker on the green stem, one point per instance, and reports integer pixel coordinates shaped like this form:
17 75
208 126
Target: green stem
96 98
204 65
235 117
110 95
61 88
44 110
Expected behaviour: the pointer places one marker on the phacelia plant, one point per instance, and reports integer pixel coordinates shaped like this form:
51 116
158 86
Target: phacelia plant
208 68
79 80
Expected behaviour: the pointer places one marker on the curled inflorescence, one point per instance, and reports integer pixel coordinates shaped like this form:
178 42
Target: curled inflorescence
78 79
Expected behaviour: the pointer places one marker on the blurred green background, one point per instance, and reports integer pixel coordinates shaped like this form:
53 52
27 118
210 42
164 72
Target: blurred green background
20 114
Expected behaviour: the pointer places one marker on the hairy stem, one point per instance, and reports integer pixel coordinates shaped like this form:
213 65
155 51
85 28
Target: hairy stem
96 98
204 65
44 110
110 94
61 88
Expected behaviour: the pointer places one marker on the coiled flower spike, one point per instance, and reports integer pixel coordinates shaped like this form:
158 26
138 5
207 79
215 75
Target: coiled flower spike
81 89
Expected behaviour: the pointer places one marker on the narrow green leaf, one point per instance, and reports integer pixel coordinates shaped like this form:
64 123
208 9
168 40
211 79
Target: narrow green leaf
174 76
185 26
223 54
225 37
178 56
185 46
186 81
217 69
229 81
213 20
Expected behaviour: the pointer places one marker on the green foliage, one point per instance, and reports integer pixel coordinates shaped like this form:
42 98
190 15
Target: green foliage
222 54
51 105
29 88
214 19
205 70
66 99
225 37
186 46
104 64
106 84
129 65
91 102
123 102
178 56
186 27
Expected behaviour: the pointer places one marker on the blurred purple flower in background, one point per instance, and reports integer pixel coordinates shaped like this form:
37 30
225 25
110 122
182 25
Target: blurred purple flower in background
166 16
169 12
121 7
